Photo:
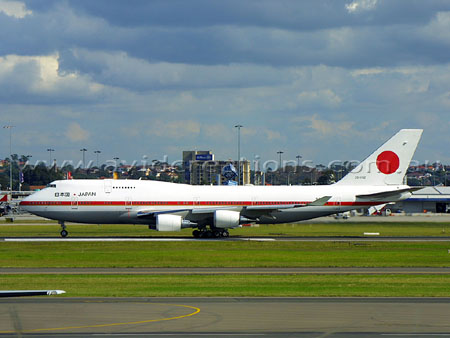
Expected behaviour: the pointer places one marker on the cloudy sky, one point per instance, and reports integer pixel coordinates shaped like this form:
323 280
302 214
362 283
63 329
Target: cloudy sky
324 79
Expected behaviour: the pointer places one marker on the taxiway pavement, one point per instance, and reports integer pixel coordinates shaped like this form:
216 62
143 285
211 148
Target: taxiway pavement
233 317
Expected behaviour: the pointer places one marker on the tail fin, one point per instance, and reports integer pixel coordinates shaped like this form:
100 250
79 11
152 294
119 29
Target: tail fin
388 164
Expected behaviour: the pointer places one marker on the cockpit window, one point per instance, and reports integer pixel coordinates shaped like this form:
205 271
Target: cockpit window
51 185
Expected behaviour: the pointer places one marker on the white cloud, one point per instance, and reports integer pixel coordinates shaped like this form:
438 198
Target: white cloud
392 70
225 133
122 70
321 97
326 128
361 5
15 9
438 28
33 138
175 129
272 135
38 78
76 133
445 99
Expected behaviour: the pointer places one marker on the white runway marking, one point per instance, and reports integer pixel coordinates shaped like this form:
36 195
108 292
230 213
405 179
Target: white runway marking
240 239
132 239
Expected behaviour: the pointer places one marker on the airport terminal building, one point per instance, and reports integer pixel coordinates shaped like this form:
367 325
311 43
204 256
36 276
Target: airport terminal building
200 167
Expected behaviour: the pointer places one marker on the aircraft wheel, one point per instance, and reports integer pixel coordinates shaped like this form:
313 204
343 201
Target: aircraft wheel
64 233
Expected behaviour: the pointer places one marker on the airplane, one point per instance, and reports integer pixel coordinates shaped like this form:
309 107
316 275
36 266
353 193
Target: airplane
212 210
26 293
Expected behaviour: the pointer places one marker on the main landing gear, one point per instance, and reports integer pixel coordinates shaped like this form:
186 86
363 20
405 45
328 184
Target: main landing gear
214 233
63 232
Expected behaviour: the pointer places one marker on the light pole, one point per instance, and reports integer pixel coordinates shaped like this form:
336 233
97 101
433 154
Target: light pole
238 126
10 156
279 153
298 157
84 163
115 158
97 152
297 170
50 150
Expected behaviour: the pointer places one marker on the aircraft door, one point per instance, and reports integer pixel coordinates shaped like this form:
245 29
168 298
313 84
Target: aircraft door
74 202
128 203
196 200
339 204
254 200
108 186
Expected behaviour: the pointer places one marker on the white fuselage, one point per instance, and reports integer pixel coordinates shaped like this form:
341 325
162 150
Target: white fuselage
120 201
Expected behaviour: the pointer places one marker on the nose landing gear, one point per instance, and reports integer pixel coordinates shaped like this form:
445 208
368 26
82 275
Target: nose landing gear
64 233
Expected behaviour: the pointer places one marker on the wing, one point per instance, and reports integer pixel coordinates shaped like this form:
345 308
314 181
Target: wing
318 202
254 212
194 217
24 293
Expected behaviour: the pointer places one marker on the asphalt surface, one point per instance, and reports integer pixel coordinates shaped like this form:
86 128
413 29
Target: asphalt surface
228 271
229 317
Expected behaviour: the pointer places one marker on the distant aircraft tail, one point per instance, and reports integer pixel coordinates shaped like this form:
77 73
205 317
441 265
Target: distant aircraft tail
388 164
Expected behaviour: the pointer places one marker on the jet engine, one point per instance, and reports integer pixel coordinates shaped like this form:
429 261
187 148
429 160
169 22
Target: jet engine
226 219
168 222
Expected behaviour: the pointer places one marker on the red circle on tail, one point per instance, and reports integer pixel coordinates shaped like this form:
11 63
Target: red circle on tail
388 162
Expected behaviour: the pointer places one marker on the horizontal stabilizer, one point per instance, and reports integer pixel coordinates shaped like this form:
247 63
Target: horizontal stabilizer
386 194
376 208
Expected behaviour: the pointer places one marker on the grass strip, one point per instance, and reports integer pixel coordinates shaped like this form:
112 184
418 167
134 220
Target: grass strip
235 285
272 230
224 254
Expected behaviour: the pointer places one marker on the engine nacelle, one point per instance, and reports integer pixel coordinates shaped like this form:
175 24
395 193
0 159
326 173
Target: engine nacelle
226 218
168 222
